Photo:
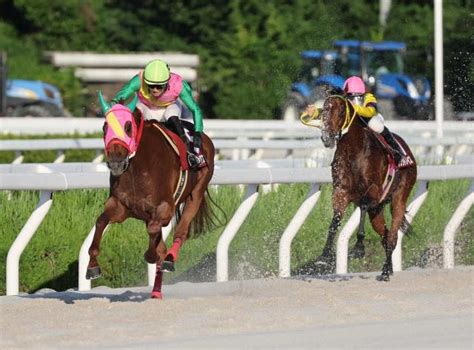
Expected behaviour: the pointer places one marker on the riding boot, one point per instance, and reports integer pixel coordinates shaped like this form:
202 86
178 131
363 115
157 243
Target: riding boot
396 150
193 160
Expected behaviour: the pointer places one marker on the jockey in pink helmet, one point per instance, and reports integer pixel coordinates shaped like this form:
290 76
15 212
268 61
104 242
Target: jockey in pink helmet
365 105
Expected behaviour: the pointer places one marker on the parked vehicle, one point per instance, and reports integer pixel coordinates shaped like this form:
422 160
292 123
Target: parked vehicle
381 66
20 98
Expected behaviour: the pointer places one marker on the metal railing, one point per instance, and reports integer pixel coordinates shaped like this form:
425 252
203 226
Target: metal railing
48 178
426 150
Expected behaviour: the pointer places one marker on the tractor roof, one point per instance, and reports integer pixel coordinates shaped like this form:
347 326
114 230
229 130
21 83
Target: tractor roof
373 45
316 54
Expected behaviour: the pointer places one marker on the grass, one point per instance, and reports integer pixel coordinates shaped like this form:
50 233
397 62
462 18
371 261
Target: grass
50 260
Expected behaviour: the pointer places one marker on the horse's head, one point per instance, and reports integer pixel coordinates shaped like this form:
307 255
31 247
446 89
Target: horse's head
120 134
334 118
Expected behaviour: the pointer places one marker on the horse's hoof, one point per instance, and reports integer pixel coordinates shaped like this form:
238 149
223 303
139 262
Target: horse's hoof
156 295
383 277
323 267
93 273
167 266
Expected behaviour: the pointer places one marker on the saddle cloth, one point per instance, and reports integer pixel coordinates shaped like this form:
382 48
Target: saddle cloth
406 160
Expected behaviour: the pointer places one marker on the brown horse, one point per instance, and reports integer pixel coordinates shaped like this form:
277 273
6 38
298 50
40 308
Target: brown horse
364 173
148 182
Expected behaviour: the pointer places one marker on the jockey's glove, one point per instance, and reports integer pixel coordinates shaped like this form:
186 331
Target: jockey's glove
197 139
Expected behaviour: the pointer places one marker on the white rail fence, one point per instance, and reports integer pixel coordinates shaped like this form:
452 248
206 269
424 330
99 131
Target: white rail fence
48 178
426 150
225 128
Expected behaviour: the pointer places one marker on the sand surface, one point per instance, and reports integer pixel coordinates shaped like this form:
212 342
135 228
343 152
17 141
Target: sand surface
416 309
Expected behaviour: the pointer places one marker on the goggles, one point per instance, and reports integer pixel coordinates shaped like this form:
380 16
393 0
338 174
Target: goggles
157 87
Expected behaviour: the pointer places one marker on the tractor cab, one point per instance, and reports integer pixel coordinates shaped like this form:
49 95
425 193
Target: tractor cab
381 66
317 63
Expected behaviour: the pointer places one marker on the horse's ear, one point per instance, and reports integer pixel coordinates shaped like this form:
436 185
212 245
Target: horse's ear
336 91
137 114
104 105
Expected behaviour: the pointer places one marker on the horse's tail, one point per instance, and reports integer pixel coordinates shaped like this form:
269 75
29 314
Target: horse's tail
206 218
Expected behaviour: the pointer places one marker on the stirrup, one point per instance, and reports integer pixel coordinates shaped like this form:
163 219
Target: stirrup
405 162
193 160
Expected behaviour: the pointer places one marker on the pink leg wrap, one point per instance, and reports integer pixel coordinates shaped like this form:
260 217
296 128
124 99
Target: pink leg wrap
174 250
156 292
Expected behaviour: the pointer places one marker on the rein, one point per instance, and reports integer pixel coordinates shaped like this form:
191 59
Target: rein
348 119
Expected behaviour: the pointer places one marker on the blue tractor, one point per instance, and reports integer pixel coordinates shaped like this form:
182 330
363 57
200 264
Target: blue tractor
318 73
380 64
21 98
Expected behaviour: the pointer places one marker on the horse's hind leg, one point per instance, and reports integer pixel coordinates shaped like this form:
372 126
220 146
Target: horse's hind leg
191 208
161 217
114 212
378 223
358 252
181 234
390 238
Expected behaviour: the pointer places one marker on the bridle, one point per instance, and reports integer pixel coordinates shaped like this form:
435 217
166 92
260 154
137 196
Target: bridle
348 116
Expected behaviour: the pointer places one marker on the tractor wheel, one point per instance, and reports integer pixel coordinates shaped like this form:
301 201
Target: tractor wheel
32 111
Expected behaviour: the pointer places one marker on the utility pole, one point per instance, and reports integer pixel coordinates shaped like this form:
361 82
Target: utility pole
439 92
3 83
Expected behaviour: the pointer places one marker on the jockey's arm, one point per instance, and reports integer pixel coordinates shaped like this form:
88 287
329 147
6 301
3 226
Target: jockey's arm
131 87
369 108
186 96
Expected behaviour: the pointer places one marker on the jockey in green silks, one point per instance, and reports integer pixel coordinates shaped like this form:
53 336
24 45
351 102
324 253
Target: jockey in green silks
163 96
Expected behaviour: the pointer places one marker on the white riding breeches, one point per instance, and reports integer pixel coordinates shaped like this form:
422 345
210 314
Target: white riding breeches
376 123
161 114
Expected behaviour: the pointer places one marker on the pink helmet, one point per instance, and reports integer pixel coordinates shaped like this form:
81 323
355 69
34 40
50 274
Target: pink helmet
354 85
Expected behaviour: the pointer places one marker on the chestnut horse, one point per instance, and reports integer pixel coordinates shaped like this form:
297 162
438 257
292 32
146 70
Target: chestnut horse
146 183
365 174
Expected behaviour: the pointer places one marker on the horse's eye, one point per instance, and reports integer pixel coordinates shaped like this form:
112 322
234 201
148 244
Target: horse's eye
104 128
128 128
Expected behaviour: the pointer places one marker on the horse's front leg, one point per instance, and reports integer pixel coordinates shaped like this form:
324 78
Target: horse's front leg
161 252
93 269
157 248
327 260
114 212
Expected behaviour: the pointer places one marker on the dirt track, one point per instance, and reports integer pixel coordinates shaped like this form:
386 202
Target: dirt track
416 309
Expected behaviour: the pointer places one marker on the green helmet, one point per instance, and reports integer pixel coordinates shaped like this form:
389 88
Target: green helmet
156 72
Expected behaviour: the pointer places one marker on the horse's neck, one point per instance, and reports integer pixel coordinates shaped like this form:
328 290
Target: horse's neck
356 134
154 147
